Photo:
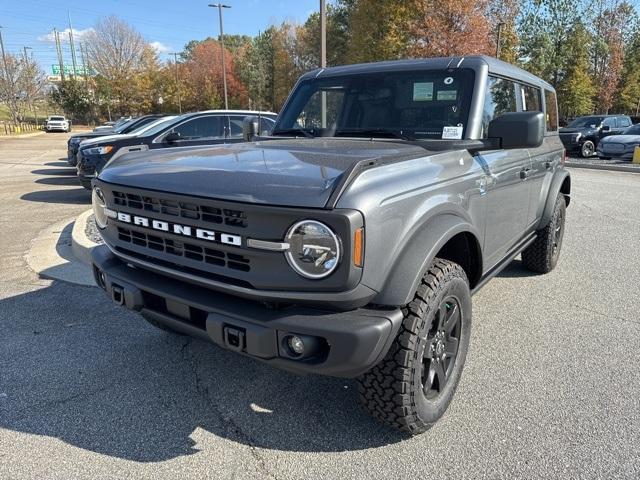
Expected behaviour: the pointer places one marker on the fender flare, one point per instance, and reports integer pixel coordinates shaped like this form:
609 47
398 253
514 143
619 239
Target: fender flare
554 189
417 255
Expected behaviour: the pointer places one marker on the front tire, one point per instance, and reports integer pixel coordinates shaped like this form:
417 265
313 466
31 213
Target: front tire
543 254
411 388
588 149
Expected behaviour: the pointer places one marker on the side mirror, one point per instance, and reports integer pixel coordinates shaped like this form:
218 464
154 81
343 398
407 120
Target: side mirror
250 128
606 128
518 129
172 137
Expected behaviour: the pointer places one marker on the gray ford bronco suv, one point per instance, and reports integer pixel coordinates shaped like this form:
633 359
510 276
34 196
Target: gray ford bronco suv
349 242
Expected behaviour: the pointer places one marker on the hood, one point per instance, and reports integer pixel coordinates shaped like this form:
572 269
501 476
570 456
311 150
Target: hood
102 133
103 139
291 172
583 130
621 139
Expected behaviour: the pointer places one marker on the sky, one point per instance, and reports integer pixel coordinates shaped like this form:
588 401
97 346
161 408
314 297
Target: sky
166 24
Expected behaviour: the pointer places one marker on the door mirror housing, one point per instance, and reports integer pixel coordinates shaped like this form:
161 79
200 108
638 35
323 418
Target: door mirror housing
606 128
518 129
172 137
250 128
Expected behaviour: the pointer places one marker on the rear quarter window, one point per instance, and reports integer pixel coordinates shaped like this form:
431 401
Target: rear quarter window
551 108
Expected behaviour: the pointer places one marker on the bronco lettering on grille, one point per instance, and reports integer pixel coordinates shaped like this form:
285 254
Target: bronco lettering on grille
184 230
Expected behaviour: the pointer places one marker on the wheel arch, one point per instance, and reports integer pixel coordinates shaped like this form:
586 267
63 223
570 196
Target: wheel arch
561 183
447 236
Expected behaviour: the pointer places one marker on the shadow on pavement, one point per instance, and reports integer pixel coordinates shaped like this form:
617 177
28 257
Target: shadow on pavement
516 269
56 171
79 369
64 180
74 196
61 163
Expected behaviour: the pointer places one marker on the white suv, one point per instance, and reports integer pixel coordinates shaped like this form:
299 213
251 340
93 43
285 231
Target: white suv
57 123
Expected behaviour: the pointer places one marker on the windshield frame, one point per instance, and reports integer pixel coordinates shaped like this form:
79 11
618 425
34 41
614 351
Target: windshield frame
353 85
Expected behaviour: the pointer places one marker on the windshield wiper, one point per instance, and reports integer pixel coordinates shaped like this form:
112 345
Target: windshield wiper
292 131
373 132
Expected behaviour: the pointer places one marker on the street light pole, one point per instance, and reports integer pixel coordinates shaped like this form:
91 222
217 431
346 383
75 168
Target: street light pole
175 58
220 6
323 60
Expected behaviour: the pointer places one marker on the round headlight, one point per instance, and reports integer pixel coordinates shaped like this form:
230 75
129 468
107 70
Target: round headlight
314 250
99 204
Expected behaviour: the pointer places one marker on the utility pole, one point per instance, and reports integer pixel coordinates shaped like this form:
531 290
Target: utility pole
175 58
220 6
59 52
4 57
73 47
500 25
323 59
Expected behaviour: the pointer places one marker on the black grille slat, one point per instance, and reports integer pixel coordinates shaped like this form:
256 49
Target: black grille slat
189 210
191 251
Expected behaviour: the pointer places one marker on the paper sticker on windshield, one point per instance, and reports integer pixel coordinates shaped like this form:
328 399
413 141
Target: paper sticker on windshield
452 133
447 94
423 91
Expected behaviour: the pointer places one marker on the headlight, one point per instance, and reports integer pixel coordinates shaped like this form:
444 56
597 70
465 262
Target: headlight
75 141
99 150
314 250
99 206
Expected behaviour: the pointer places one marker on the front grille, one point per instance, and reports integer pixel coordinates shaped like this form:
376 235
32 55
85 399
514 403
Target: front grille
190 210
613 148
183 249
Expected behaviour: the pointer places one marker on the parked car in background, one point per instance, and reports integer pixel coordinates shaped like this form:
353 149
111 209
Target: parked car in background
57 123
620 146
192 129
125 127
112 125
583 134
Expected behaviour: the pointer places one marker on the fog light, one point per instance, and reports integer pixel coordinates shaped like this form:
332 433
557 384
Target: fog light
296 344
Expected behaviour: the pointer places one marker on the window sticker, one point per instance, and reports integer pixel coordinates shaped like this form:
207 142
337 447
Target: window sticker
422 91
447 94
452 133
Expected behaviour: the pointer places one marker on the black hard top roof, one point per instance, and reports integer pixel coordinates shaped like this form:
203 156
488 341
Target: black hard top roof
495 66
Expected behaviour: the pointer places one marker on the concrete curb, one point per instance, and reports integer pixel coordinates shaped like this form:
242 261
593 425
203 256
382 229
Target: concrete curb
81 245
611 168
51 255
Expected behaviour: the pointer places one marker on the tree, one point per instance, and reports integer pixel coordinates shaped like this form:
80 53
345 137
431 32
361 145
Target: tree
576 89
21 84
629 94
73 98
451 27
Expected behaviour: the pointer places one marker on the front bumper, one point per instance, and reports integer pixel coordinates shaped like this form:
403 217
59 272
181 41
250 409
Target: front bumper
604 152
348 343
72 156
58 128
571 143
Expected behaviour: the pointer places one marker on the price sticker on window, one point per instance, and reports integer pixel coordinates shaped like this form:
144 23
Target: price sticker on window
452 133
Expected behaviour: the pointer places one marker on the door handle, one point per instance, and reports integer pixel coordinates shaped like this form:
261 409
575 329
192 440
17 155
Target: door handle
524 173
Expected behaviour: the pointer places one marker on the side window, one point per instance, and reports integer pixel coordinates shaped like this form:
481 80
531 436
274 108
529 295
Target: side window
266 126
624 122
500 98
531 99
609 122
201 128
552 110
235 126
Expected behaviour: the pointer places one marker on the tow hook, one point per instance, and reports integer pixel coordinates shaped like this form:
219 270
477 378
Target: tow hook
234 338
117 294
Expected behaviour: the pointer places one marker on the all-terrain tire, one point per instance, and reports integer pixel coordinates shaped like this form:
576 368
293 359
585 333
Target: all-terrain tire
161 326
394 390
543 254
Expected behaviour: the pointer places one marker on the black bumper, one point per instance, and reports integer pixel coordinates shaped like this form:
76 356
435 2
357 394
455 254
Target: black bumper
344 344
71 156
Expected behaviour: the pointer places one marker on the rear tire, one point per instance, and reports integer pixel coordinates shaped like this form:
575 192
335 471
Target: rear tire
543 254
411 388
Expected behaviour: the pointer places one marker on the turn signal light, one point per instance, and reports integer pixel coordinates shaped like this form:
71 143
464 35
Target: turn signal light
358 247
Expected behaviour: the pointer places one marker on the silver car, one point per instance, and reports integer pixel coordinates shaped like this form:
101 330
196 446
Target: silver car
620 146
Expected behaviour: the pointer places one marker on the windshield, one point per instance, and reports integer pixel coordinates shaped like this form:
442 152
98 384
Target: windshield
632 130
161 122
124 126
158 127
592 122
56 118
415 104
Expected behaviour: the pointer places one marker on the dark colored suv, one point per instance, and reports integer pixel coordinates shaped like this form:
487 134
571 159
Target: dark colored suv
583 134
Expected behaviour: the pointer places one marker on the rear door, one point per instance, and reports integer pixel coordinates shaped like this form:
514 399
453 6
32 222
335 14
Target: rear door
504 185
547 156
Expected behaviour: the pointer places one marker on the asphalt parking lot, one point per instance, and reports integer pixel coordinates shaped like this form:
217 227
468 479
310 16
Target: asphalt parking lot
87 390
